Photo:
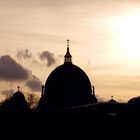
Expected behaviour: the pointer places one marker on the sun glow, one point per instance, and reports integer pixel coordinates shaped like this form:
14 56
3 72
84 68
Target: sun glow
128 27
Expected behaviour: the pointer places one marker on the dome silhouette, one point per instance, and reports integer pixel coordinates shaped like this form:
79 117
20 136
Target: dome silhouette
18 96
67 85
112 100
18 102
133 106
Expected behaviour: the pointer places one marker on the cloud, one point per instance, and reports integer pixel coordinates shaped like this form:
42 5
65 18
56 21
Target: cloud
8 93
49 57
10 70
24 54
34 83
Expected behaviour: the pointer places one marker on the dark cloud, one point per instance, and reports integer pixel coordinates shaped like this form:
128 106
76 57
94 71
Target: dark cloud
24 54
34 83
8 93
49 57
10 70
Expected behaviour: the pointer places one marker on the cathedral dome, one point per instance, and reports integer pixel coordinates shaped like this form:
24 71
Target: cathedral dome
67 85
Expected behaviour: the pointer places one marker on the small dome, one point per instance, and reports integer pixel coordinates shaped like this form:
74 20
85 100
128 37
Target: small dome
18 102
133 105
134 100
18 95
112 100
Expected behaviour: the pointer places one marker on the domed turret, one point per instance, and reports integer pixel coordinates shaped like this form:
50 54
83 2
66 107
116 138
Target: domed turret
18 102
18 95
112 100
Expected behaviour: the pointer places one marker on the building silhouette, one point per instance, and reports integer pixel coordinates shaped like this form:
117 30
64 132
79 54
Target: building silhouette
17 103
67 86
70 98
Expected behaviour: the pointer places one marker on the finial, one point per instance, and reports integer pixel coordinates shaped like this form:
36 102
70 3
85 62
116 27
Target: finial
18 88
68 57
111 97
68 42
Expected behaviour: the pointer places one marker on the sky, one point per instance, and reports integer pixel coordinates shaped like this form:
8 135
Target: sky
104 42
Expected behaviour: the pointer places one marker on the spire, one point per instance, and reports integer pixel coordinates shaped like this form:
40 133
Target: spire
68 57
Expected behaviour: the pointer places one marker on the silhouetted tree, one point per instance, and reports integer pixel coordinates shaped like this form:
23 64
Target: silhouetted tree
32 100
4 109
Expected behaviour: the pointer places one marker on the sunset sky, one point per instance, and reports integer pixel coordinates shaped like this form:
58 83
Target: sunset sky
104 41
